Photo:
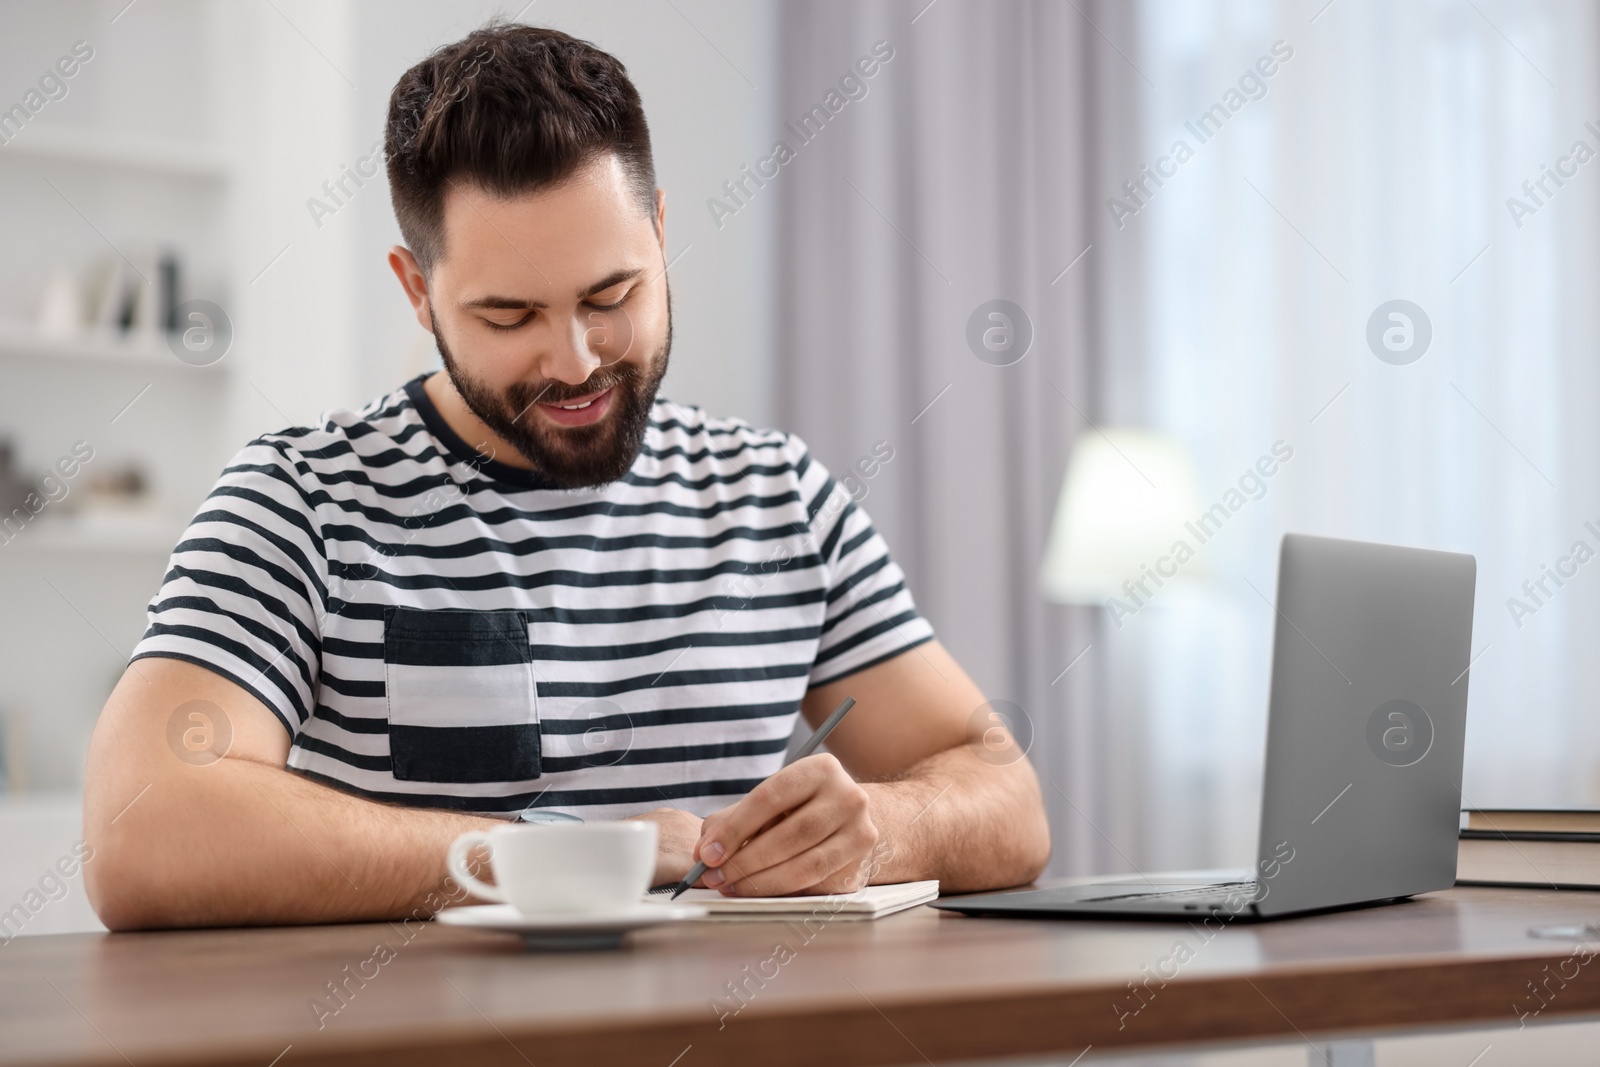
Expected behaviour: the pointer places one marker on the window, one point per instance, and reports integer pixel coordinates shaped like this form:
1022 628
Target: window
1383 158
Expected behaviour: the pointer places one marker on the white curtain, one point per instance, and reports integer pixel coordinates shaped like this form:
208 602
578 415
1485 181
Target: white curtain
1339 156
959 172
1375 163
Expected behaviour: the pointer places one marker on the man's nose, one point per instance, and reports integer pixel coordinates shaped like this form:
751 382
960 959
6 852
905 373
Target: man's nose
572 356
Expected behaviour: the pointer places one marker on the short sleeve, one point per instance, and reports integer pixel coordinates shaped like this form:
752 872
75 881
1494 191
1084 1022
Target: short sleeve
246 587
870 616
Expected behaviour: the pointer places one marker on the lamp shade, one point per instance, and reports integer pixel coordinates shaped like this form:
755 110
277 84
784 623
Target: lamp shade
1126 497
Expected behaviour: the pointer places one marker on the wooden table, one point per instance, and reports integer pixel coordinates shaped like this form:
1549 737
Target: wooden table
919 986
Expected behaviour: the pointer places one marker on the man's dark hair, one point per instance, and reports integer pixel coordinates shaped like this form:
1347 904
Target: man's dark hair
511 110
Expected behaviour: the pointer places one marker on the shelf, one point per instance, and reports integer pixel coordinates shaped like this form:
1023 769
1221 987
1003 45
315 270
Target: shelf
157 156
138 532
144 351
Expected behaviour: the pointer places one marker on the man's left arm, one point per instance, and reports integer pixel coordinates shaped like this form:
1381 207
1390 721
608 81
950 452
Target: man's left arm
914 785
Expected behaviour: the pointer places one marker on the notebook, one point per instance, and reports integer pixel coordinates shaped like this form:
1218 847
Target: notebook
873 902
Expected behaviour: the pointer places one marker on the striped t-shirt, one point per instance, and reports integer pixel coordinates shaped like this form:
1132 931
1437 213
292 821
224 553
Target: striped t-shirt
443 630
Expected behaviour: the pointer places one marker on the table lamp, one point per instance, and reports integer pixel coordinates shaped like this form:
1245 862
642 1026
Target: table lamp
1121 515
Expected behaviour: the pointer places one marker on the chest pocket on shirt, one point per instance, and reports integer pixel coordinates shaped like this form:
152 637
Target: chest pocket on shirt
462 703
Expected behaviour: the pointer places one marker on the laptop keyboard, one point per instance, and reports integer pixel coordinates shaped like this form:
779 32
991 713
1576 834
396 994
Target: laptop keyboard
1205 892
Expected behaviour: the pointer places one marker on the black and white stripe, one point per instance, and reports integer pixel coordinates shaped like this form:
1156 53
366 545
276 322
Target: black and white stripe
442 630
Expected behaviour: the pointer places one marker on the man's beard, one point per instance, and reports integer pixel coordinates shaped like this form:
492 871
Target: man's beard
572 457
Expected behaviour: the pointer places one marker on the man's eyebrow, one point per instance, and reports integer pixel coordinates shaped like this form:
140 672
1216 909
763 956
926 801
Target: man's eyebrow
616 277
503 303
512 303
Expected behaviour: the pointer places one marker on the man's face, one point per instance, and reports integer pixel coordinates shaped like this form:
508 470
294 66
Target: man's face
552 315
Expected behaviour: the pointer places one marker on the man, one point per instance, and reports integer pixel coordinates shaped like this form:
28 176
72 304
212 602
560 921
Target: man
525 585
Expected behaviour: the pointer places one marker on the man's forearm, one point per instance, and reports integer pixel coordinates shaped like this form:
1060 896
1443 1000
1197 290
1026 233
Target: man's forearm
967 822
239 842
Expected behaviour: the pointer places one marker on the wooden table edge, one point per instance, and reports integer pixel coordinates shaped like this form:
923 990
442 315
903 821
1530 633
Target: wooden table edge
1291 1002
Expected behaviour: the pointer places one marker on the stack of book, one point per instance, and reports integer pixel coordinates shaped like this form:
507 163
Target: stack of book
1530 847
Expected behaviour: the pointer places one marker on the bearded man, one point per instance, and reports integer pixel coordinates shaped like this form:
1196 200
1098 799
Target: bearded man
526 586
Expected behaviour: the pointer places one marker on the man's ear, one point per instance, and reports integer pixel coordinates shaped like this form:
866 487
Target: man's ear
661 219
414 282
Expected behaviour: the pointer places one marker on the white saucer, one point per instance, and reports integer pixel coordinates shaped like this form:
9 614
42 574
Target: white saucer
568 932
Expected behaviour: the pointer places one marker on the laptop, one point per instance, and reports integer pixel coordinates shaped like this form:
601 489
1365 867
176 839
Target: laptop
1366 727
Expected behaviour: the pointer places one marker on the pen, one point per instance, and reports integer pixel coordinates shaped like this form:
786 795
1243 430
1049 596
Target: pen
811 745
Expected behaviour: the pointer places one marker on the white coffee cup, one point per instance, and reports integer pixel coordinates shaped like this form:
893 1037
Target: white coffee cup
562 868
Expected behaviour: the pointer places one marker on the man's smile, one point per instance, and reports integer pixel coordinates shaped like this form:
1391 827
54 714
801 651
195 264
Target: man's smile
580 411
